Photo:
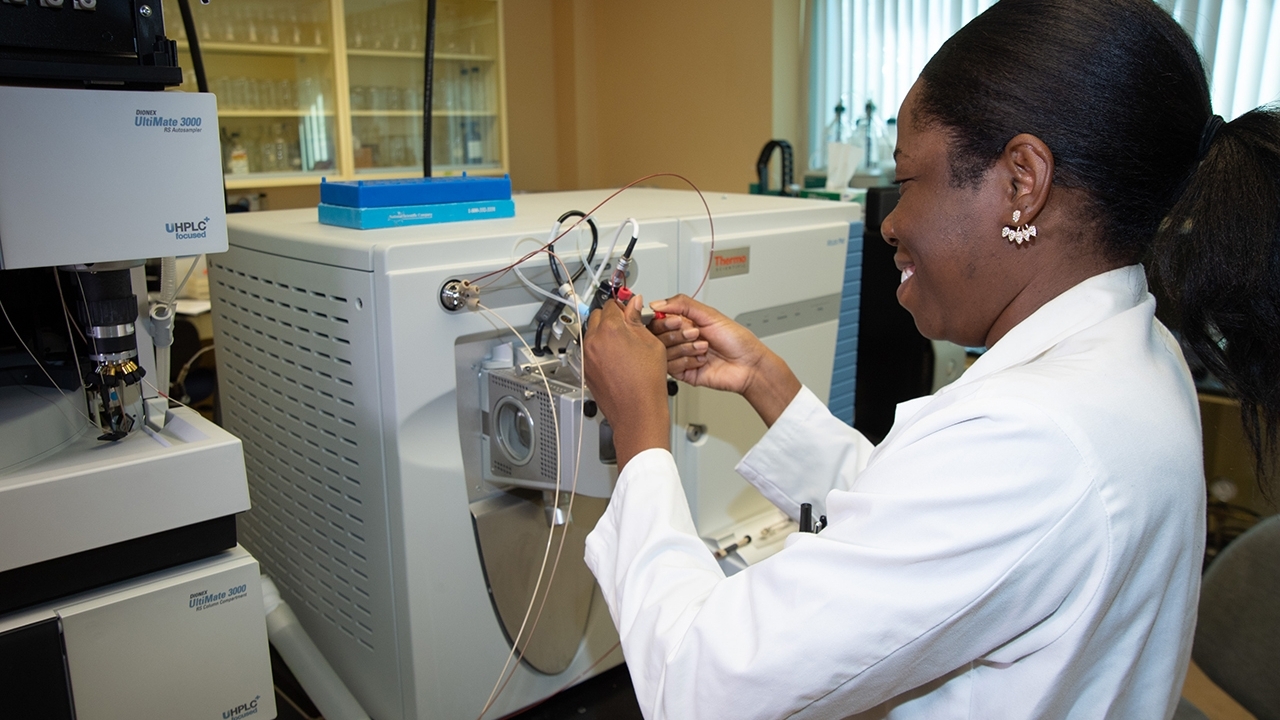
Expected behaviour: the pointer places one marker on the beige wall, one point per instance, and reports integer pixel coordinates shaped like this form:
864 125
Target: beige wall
531 94
601 92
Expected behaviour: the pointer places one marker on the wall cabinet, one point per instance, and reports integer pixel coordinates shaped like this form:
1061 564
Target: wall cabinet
334 88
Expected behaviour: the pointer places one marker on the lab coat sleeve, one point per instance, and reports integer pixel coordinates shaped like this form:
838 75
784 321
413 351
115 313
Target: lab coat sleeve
978 538
835 453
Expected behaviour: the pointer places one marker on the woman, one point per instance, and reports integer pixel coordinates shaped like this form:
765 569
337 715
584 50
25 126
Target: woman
1027 542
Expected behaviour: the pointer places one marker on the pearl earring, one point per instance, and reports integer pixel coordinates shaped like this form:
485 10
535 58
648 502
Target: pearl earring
1022 234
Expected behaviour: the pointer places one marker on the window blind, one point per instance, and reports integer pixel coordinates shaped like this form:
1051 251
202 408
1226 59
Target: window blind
874 50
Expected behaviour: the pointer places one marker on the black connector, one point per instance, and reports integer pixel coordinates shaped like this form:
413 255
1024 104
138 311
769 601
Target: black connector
547 313
591 254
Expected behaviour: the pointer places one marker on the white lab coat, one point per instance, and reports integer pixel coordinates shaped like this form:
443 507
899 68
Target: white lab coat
1026 543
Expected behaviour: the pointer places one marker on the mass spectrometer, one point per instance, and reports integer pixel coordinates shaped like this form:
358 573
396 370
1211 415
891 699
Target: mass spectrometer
403 456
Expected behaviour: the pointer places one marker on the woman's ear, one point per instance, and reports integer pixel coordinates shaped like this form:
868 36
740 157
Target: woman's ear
1029 163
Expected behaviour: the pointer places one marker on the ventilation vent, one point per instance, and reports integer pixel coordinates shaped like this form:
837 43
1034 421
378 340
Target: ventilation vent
547 423
289 384
547 449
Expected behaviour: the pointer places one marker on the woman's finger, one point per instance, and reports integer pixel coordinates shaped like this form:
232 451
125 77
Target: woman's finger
632 310
686 350
689 308
678 367
678 337
666 324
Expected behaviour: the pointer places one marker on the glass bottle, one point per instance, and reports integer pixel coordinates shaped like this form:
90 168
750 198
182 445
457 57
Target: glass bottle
457 140
869 135
272 26
837 131
475 142
280 149
238 157
266 156
295 28
479 102
295 155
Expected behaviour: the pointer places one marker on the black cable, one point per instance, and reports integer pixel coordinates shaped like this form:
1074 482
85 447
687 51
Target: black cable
427 88
197 59
197 65
591 254
537 339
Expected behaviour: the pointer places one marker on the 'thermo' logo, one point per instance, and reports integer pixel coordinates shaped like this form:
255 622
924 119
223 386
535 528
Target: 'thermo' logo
730 261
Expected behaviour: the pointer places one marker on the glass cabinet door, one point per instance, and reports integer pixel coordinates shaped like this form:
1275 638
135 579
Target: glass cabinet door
271 65
311 88
385 47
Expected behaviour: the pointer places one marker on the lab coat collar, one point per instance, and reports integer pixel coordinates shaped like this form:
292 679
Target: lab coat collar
1083 306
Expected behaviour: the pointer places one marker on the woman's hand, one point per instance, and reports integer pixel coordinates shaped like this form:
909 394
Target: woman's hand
625 367
707 349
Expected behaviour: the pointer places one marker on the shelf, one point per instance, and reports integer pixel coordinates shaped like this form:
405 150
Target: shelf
383 173
403 54
268 113
419 56
418 113
464 56
254 49
259 180
438 171
386 113
453 170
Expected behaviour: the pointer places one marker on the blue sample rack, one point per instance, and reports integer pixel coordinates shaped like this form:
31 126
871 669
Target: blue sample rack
371 204
414 191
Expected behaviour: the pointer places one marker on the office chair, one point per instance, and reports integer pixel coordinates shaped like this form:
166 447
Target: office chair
1237 641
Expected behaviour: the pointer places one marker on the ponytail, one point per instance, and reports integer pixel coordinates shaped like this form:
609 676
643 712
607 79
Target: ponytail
1215 264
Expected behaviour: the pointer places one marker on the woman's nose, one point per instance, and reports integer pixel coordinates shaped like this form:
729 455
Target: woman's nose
887 230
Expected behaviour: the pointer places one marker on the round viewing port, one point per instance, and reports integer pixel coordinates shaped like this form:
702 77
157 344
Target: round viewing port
514 426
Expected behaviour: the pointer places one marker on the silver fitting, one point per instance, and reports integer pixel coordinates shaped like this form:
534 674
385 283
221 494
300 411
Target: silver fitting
457 295
107 332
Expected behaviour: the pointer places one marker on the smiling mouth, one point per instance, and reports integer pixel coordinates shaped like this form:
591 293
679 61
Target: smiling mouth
907 272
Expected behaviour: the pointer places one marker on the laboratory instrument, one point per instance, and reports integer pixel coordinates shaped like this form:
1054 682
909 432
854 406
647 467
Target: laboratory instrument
401 438
117 513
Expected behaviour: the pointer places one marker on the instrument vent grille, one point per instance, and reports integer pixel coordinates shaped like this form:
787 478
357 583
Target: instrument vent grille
541 405
287 364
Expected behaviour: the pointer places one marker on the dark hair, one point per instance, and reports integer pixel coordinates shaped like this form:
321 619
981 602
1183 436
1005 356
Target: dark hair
1116 90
